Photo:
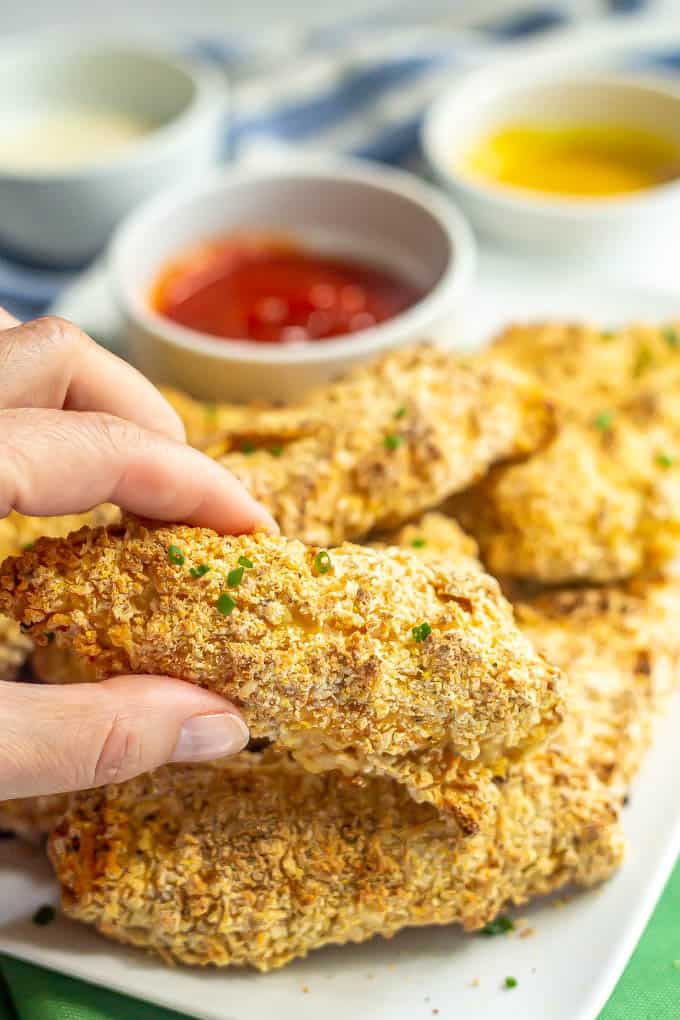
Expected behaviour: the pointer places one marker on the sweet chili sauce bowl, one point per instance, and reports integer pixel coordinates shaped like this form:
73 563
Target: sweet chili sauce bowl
383 217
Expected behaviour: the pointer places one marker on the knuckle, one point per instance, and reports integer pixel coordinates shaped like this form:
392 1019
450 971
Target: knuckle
36 359
54 331
107 433
119 434
121 753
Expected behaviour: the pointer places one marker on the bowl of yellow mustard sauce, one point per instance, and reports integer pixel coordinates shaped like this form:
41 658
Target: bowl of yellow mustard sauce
559 162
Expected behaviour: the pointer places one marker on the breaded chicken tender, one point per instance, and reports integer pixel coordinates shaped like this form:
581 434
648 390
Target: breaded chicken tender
601 502
620 648
16 533
387 442
230 426
260 862
433 535
371 661
436 536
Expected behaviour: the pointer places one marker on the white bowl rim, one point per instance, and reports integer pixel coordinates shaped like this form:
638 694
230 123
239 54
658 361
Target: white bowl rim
209 87
527 201
453 282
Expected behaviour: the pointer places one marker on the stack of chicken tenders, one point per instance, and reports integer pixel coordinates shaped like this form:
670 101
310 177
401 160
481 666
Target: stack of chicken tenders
450 660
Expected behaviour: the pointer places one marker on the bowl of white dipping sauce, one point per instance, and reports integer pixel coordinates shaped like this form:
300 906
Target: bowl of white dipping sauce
88 128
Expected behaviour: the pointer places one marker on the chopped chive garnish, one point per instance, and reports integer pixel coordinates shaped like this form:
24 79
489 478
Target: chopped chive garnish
418 543
607 334
400 412
28 545
392 442
211 411
247 448
245 562
604 420
421 631
322 562
276 451
499 926
511 982
643 360
200 570
50 635
44 915
175 555
225 604
234 577
671 337
665 460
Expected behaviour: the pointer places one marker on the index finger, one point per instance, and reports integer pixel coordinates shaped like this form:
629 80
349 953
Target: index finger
62 462
50 363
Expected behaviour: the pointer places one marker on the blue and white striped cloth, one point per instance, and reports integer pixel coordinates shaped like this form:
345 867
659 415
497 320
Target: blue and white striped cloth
357 87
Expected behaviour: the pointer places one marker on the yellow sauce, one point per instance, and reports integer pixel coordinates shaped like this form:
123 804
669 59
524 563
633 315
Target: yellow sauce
574 159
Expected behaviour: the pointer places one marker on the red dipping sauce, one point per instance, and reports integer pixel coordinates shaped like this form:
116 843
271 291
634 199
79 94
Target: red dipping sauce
270 290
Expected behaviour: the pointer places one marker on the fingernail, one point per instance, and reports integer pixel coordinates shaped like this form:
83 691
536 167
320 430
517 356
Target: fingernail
267 523
210 736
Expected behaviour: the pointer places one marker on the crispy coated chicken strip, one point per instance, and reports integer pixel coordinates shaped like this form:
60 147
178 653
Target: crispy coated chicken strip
17 533
620 647
371 661
434 536
585 368
222 427
601 502
387 442
261 862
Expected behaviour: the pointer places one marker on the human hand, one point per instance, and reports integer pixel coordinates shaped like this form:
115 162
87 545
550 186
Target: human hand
80 427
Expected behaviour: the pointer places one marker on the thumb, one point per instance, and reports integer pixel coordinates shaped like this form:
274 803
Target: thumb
60 738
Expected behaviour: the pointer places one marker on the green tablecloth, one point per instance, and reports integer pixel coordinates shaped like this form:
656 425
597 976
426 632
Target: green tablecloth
649 988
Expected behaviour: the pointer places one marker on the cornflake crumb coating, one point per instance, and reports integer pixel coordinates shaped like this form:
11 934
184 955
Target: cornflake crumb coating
372 450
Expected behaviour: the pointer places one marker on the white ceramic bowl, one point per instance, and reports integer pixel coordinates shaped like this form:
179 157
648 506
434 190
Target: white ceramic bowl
344 208
536 92
64 216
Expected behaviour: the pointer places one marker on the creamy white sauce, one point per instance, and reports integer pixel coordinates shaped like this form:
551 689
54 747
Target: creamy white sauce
66 139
